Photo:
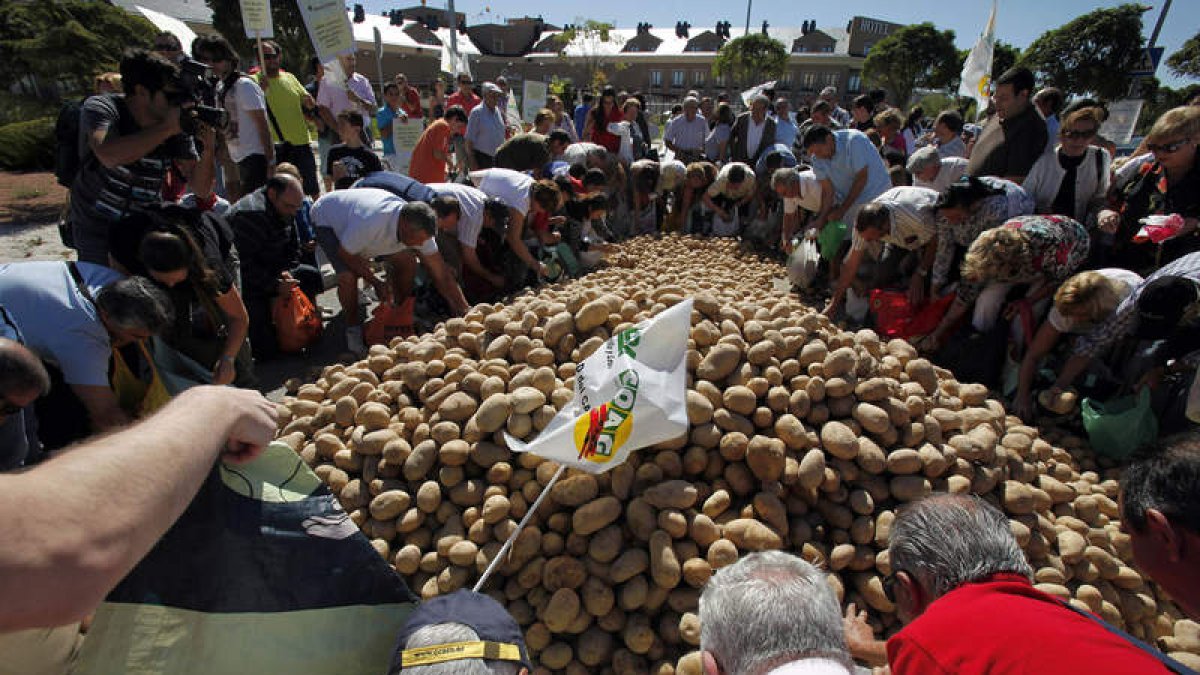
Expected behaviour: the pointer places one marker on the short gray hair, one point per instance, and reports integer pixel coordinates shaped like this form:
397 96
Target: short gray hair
766 607
923 159
947 540
421 216
785 177
135 303
447 633
760 98
21 371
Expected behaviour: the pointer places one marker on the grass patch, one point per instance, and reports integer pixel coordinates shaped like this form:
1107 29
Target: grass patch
28 193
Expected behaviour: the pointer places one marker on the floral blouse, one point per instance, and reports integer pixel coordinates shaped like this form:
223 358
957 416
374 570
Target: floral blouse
1059 244
993 212
1148 194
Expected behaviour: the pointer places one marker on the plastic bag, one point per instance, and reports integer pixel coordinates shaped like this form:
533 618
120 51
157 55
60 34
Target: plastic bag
1157 229
389 321
831 237
896 318
136 396
629 394
802 263
297 324
1118 427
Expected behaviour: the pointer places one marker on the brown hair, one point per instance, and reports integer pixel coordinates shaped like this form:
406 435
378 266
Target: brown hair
1093 115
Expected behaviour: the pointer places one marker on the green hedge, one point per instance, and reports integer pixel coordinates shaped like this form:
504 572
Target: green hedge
26 146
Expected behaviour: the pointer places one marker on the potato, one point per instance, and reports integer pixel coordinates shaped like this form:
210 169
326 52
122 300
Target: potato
765 457
664 566
721 360
750 535
575 490
457 407
595 514
561 610
676 494
390 504
839 441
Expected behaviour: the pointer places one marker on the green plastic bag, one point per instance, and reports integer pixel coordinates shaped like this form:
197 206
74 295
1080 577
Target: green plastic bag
1119 427
831 237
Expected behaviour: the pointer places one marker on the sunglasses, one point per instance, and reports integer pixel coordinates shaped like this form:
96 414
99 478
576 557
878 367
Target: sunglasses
1079 133
1166 148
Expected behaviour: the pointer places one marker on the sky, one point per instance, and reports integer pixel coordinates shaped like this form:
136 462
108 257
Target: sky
1018 22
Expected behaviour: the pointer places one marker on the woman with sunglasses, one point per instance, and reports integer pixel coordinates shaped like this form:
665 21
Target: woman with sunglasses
1168 183
1073 180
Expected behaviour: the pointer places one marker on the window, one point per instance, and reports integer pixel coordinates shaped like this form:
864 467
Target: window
854 82
656 78
808 80
698 78
677 78
720 80
831 79
498 45
785 81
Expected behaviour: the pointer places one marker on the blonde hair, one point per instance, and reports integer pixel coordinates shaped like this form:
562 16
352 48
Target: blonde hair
1088 294
289 169
111 80
545 114
1182 122
999 254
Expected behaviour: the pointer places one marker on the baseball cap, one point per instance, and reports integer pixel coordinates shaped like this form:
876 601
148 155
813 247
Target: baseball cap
500 637
491 88
1162 304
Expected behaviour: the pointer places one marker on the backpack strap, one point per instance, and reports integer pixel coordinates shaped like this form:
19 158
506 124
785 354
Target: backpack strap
1167 662
79 283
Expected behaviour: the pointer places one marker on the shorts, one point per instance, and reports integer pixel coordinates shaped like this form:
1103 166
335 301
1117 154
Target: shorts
329 243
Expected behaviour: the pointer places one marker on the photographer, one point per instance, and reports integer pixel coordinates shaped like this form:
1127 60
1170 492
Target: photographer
248 135
126 144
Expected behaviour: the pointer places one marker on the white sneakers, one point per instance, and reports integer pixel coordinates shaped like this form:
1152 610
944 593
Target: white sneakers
354 340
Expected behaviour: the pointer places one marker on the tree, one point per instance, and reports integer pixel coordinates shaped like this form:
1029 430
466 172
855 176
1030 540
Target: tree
591 44
914 56
1004 56
1093 54
1160 99
290 33
751 57
1186 61
64 42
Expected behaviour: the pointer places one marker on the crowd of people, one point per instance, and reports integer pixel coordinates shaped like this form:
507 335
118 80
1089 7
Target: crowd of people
187 232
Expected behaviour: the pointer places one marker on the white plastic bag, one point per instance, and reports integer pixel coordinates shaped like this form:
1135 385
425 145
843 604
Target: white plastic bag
629 394
802 263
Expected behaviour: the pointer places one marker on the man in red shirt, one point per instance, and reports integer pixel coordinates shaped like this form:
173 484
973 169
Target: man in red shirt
1160 509
963 589
465 96
410 98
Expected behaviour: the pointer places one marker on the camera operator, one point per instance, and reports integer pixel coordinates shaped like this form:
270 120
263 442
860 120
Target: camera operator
126 145
248 136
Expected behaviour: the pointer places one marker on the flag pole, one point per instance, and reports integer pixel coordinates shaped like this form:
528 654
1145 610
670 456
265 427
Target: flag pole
520 526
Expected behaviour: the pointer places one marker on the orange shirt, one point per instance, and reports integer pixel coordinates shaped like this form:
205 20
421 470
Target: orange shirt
423 166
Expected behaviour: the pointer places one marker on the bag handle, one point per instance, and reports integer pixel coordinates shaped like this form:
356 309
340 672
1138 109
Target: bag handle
78 277
1167 662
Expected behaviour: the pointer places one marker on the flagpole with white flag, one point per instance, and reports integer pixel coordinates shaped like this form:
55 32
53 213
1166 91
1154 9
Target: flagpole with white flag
977 70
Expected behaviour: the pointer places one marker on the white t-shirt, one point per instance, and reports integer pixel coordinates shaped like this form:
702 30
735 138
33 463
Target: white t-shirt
1126 280
365 221
952 169
754 134
470 202
55 321
510 187
810 195
242 137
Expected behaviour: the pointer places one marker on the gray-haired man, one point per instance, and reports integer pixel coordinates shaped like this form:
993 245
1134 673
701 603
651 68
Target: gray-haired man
771 613
963 588
685 134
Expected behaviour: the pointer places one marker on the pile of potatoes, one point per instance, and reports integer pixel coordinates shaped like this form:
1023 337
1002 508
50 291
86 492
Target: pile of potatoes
802 437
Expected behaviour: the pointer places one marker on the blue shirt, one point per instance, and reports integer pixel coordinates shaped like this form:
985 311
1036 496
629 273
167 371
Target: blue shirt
485 128
383 118
785 131
854 152
581 113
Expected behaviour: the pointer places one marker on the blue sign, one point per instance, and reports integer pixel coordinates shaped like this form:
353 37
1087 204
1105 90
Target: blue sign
1148 62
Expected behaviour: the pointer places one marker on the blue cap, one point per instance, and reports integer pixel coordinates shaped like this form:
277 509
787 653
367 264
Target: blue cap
500 637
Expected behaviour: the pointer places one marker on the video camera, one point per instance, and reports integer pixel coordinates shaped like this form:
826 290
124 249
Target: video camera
195 85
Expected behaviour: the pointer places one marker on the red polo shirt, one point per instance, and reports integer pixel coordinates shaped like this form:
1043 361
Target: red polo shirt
1004 626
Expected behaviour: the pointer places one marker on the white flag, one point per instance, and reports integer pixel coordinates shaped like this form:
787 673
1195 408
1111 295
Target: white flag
977 70
453 62
630 393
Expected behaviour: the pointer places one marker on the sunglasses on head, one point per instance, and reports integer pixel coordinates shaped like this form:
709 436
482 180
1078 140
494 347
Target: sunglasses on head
1079 133
1166 148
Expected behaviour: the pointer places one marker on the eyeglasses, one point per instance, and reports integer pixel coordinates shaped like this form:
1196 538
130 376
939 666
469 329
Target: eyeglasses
1167 148
889 586
1079 133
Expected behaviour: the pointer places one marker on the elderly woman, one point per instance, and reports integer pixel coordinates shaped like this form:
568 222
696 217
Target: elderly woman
967 209
1166 183
561 119
1072 180
1039 252
1083 302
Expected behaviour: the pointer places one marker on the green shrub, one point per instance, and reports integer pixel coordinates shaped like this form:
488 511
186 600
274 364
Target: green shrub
28 145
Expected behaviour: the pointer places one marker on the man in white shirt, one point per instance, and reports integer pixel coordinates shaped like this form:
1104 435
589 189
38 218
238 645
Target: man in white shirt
771 613
931 170
248 136
898 230
358 225
799 190
685 134
463 212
